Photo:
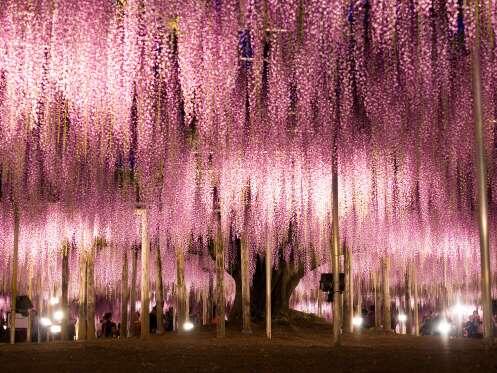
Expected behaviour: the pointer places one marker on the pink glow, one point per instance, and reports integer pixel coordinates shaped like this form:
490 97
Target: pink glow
90 107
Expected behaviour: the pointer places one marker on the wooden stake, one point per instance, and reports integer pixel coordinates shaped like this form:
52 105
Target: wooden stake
13 293
159 291
124 297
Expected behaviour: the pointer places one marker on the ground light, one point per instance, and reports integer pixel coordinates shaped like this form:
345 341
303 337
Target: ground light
54 329
54 301
58 315
444 327
357 321
45 321
187 326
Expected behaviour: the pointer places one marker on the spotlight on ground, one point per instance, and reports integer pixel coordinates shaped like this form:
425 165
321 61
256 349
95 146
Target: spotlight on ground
402 317
357 321
54 329
58 315
187 326
444 327
54 301
45 321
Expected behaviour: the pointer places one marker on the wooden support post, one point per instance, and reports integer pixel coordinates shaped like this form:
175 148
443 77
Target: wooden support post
29 331
348 306
408 296
180 287
359 295
269 267
82 297
64 289
204 305
13 293
159 293
219 251
90 295
335 256
416 306
124 297
481 176
387 315
244 259
145 264
377 299
132 305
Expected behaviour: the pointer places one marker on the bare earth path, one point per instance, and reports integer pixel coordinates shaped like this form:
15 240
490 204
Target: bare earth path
291 350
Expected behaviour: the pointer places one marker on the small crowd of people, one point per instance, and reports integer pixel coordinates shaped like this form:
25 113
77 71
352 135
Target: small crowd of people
109 329
470 327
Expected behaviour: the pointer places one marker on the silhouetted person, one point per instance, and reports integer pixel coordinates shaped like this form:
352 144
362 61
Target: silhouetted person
168 324
153 320
108 327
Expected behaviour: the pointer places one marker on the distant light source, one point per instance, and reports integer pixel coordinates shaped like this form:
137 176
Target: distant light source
357 321
45 321
5 327
53 301
54 329
58 315
402 317
444 327
462 310
187 326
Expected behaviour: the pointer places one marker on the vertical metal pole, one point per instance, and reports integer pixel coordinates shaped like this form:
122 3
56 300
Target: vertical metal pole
145 264
486 299
335 257
269 267
13 293
124 297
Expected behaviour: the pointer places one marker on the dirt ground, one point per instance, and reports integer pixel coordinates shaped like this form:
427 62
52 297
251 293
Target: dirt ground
292 349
